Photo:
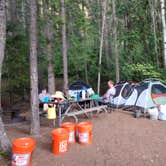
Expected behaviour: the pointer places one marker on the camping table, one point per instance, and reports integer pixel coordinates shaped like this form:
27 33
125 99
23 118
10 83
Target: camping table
75 108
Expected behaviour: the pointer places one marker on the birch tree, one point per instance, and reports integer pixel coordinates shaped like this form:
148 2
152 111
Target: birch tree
13 16
164 29
64 47
107 44
116 41
4 141
153 6
35 123
85 44
104 5
50 68
23 15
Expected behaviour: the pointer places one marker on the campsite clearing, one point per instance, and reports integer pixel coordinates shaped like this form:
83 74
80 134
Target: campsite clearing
118 140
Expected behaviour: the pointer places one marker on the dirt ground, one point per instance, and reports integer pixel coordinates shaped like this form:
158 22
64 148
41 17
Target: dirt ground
119 139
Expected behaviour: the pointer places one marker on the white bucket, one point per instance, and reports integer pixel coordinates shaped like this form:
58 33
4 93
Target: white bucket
162 113
153 112
20 159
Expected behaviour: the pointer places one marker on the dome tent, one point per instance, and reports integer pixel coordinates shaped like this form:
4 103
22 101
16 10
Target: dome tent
123 92
149 93
77 87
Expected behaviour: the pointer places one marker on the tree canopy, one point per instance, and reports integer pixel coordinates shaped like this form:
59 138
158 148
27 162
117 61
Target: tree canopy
139 37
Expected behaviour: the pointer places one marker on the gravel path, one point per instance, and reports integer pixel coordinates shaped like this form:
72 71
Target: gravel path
118 140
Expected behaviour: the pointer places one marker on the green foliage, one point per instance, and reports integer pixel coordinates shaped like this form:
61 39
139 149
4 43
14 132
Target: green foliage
16 63
138 72
136 48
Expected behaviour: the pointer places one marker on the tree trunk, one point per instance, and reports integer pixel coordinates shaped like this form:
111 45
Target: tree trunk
35 123
116 41
101 43
164 29
64 48
84 46
23 15
50 68
107 45
5 144
86 66
12 7
4 141
152 4
51 77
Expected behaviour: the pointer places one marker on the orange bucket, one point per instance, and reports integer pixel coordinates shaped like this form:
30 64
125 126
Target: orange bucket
60 138
84 133
72 131
22 149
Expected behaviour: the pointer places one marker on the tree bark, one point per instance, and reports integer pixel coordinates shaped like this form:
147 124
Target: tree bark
35 123
50 68
101 43
23 15
84 45
4 141
152 4
51 77
64 48
107 45
12 7
164 30
116 41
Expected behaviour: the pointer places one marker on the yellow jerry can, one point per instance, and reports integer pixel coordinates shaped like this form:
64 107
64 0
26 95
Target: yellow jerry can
51 112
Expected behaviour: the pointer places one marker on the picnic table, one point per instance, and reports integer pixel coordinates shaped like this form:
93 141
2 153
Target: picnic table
75 108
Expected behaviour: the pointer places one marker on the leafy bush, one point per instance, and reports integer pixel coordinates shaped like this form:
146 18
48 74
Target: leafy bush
138 72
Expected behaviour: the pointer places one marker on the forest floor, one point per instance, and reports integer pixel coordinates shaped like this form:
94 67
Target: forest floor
119 139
